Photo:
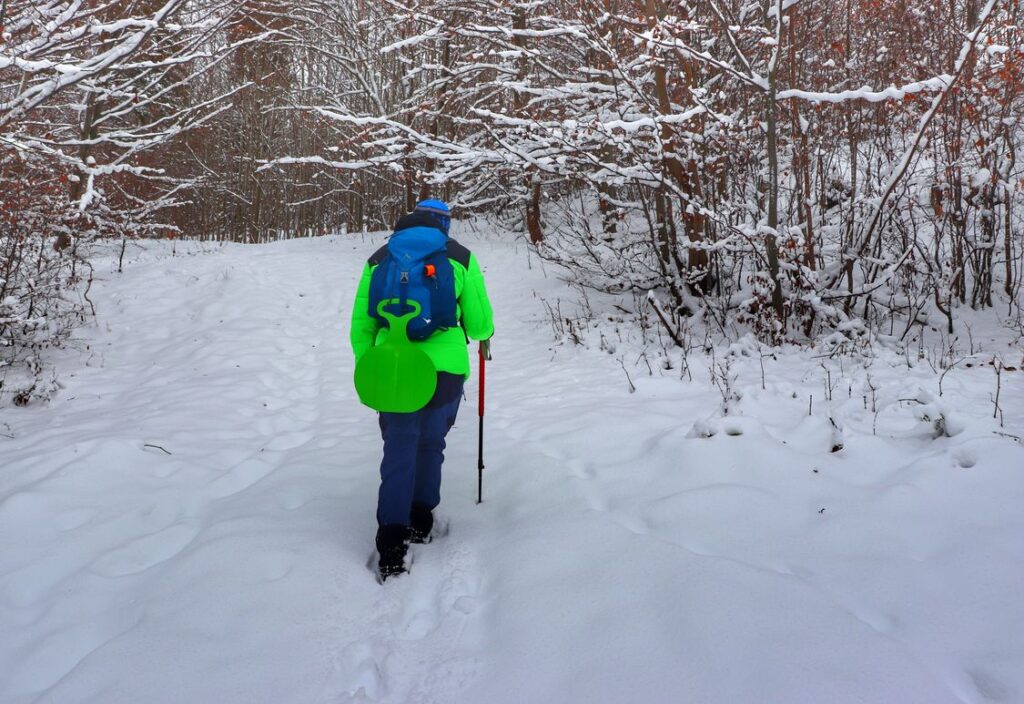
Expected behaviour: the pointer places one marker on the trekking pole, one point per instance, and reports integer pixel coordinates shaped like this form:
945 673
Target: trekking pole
480 445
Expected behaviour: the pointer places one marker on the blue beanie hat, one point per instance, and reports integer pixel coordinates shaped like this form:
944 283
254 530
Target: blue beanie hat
439 209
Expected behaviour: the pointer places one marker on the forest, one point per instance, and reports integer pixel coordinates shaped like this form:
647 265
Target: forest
739 416
800 171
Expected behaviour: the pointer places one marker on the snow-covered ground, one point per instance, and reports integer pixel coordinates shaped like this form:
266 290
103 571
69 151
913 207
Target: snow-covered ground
192 518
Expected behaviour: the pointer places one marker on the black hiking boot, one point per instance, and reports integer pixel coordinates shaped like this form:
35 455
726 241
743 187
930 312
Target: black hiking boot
392 543
422 523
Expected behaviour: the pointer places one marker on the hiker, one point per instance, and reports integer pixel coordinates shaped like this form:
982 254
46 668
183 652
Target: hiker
414 443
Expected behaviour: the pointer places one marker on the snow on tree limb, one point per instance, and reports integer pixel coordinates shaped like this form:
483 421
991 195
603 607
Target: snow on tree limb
937 84
908 157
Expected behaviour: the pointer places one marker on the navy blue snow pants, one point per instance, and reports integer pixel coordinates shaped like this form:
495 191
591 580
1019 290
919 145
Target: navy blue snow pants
414 452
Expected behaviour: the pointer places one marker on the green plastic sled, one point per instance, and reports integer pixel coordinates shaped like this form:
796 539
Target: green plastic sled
396 376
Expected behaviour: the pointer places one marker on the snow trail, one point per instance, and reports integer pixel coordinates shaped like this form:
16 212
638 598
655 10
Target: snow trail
192 518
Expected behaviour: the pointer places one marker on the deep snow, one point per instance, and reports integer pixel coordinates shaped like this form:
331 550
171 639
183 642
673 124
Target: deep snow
191 519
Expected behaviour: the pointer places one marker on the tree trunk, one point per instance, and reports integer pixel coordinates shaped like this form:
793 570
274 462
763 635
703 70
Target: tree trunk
771 242
684 177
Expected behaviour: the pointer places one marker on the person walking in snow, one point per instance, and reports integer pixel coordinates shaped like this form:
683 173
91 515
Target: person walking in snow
445 279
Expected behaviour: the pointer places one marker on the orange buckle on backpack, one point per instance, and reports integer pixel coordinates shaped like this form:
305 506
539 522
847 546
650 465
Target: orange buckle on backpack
430 270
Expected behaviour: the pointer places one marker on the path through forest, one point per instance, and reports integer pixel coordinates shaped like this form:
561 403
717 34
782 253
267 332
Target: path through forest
191 519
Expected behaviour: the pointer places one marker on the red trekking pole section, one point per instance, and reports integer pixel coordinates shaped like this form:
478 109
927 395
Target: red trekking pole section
480 446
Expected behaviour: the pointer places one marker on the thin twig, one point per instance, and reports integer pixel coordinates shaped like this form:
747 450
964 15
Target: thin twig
632 387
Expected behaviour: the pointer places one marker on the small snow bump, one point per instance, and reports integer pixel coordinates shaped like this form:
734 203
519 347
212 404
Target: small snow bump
702 429
733 428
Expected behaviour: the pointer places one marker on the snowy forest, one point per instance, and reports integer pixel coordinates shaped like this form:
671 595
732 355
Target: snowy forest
740 414
790 169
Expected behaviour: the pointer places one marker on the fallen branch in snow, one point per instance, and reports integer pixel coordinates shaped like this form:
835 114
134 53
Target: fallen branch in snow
157 447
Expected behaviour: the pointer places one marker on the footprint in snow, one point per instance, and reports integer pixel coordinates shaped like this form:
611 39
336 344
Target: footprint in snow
438 588
360 675
277 566
289 440
292 499
633 523
581 469
989 687
441 580
146 552
733 428
240 477
965 458
74 518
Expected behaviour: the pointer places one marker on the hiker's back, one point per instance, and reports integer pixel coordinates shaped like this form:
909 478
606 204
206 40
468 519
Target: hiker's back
413 268
416 240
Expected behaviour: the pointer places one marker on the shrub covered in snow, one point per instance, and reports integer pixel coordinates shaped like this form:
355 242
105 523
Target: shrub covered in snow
43 282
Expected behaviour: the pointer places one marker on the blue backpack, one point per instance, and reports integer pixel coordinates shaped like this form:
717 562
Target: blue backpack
415 267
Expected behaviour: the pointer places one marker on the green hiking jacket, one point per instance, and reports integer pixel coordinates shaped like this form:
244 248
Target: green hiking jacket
447 349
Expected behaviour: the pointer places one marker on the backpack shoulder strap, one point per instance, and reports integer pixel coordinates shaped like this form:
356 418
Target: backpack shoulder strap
458 253
378 256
